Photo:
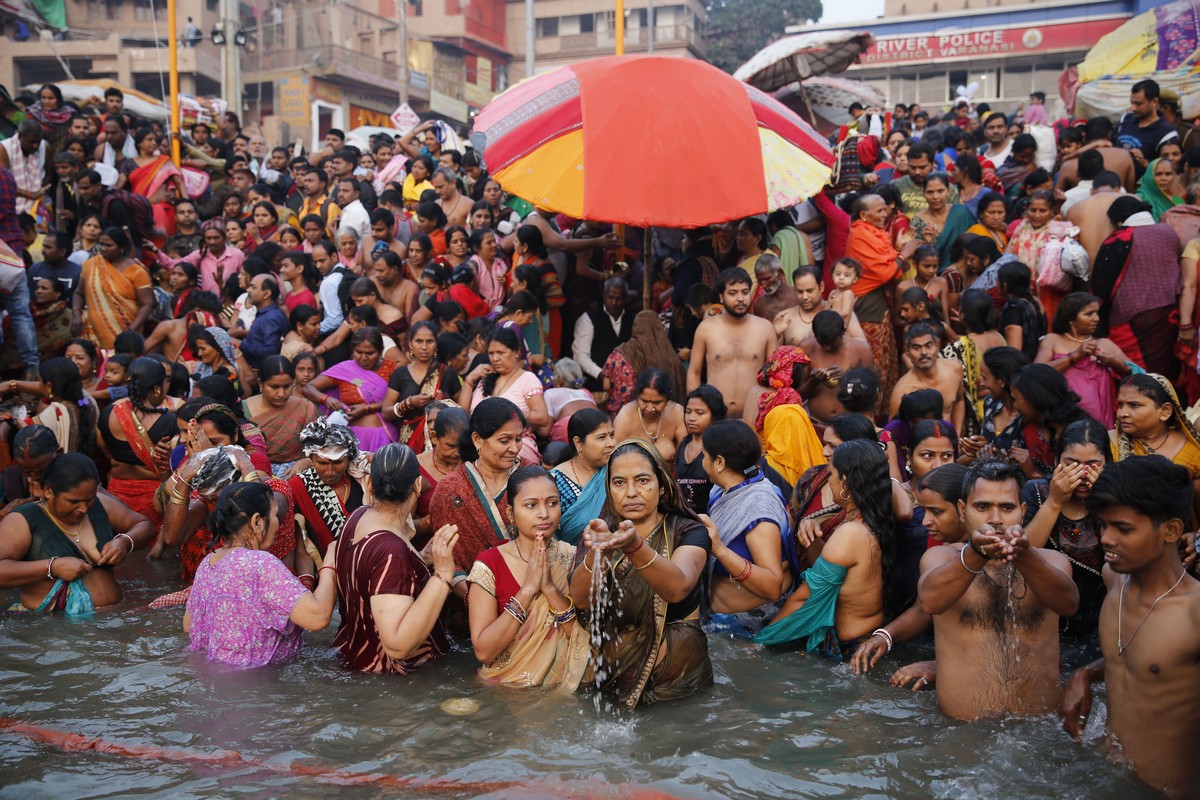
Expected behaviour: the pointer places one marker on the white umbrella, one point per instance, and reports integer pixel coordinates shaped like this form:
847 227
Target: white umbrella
804 55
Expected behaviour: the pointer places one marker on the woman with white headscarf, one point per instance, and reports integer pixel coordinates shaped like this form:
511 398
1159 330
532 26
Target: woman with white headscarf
332 488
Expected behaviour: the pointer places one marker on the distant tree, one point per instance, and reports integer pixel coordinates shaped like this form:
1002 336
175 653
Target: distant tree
737 29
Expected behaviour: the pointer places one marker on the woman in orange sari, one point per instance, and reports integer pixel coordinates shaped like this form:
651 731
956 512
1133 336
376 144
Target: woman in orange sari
117 291
149 174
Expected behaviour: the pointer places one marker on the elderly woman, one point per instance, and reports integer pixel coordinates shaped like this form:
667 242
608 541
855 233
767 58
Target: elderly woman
245 608
870 245
647 556
332 488
60 552
391 601
215 355
546 646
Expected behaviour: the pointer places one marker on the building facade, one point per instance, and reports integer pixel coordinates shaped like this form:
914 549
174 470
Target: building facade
926 49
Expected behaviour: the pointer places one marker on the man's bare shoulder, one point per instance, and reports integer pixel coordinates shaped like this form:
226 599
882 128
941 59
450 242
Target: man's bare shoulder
936 556
787 314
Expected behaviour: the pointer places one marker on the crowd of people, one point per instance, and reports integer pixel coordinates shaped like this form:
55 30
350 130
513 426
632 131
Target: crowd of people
947 397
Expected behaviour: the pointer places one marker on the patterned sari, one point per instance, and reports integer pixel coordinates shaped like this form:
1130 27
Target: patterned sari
461 499
111 297
282 432
541 654
149 179
137 493
357 385
966 352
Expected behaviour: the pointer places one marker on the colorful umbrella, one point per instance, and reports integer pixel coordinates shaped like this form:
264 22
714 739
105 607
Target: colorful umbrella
1162 43
649 141
805 55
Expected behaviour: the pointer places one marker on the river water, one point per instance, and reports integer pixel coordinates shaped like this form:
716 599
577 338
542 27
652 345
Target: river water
777 725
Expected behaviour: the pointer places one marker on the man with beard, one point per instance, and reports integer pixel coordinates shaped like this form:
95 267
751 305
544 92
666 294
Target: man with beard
733 346
833 354
794 325
773 296
930 371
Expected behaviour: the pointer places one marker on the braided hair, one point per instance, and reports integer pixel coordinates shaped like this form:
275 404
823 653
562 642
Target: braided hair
144 376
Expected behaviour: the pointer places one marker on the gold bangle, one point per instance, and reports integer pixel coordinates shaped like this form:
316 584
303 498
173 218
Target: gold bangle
648 563
176 500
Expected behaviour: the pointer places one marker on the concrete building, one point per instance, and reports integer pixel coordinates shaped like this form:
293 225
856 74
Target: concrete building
926 49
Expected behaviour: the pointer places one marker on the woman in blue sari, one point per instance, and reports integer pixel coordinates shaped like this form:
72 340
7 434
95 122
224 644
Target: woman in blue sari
753 552
582 480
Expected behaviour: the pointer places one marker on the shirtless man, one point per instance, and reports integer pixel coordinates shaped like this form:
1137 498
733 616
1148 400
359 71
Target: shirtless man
1090 214
1152 674
995 603
794 325
774 297
394 288
930 371
1116 159
454 204
833 354
732 347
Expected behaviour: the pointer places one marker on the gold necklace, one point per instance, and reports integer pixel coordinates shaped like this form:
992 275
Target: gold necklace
58 523
1076 339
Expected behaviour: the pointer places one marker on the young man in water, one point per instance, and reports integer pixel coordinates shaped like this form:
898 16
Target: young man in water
995 603
930 371
1151 663
732 347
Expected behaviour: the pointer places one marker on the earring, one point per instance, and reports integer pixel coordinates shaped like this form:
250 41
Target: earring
844 495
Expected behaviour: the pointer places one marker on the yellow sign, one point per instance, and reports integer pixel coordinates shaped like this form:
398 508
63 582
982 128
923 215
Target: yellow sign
327 92
292 105
366 116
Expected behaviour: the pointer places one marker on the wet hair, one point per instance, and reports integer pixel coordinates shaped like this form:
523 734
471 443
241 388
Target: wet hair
849 427
394 473
735 440
863 468
1085 432
1045 388
978 311
69 470
34 441
524 475
220 389
445 312
992 470
273 366
450 420
144 376
653 378
492 414
1004 363
858 391
450 344
130 342
919 405
531 237
731 277
508 338
925 251
179 384
1091 162
946 482
1152 486
712 399
556 453
302 314
827 327
520 301
917 330
1069 308
364 314
1016 279
915 296
236 506
931 429
584 423
671 500
66 384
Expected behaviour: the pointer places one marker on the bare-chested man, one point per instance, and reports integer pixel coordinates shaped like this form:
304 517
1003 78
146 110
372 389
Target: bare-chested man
1099 133
833 354
394 288
930 371
775 296
794 325
733 346
1151 664
995 602
1090 214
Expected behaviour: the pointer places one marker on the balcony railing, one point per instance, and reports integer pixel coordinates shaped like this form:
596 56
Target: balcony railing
605 40
332 60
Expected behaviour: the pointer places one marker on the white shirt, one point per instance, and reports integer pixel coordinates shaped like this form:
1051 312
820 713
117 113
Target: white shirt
1081 191
331 305
998 160
585 332
356 216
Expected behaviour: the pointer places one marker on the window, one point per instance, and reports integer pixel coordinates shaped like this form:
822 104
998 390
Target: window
958 77
547 27
587 23
931 88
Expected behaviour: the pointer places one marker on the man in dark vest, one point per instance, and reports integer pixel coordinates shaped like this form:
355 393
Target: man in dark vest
600 330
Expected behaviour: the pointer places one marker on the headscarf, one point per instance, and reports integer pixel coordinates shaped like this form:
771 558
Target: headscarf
648 346
792 444
1160 202
49 120
224 344
1178 420
776 375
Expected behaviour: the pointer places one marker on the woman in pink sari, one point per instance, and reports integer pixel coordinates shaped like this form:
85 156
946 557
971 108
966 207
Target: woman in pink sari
361 385
149 174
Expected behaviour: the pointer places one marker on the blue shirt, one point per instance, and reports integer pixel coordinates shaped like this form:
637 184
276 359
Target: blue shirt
266 335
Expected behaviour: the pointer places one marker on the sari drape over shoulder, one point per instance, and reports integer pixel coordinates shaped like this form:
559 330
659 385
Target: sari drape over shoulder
791 444
149 179
370 387
584 508
111 296
461 499
541 654
282 431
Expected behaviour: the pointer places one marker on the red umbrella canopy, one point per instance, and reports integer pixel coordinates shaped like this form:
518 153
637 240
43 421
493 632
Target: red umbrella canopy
649 141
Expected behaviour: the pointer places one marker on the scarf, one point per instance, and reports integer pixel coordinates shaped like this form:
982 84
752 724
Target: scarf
586 508
1160 202
326 501
49 119
1126 443
872 248
128 150
225 345
776 375
739 510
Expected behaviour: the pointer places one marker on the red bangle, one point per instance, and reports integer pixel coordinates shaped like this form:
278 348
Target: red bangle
327 567
745 573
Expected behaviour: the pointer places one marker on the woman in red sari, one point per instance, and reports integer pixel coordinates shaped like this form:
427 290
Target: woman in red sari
870 244
149 174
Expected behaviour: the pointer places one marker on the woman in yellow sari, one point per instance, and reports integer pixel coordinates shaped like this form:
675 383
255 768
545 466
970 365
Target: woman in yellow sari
523 624
149 173
1151 421
116 289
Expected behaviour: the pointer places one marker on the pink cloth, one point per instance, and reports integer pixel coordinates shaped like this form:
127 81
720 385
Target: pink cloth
240 609
213 270
523 388
1096 389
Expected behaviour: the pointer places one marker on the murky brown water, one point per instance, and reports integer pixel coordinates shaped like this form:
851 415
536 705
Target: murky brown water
776 726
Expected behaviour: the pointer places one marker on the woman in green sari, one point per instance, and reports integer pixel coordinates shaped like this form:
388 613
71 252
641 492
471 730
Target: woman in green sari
1158 181
942 222
651 552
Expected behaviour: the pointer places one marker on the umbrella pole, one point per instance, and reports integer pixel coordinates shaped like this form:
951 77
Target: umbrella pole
812 115
647 268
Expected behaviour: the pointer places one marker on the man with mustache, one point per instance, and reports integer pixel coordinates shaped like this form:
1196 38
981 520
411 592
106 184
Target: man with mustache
930 371
731 347
773 296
